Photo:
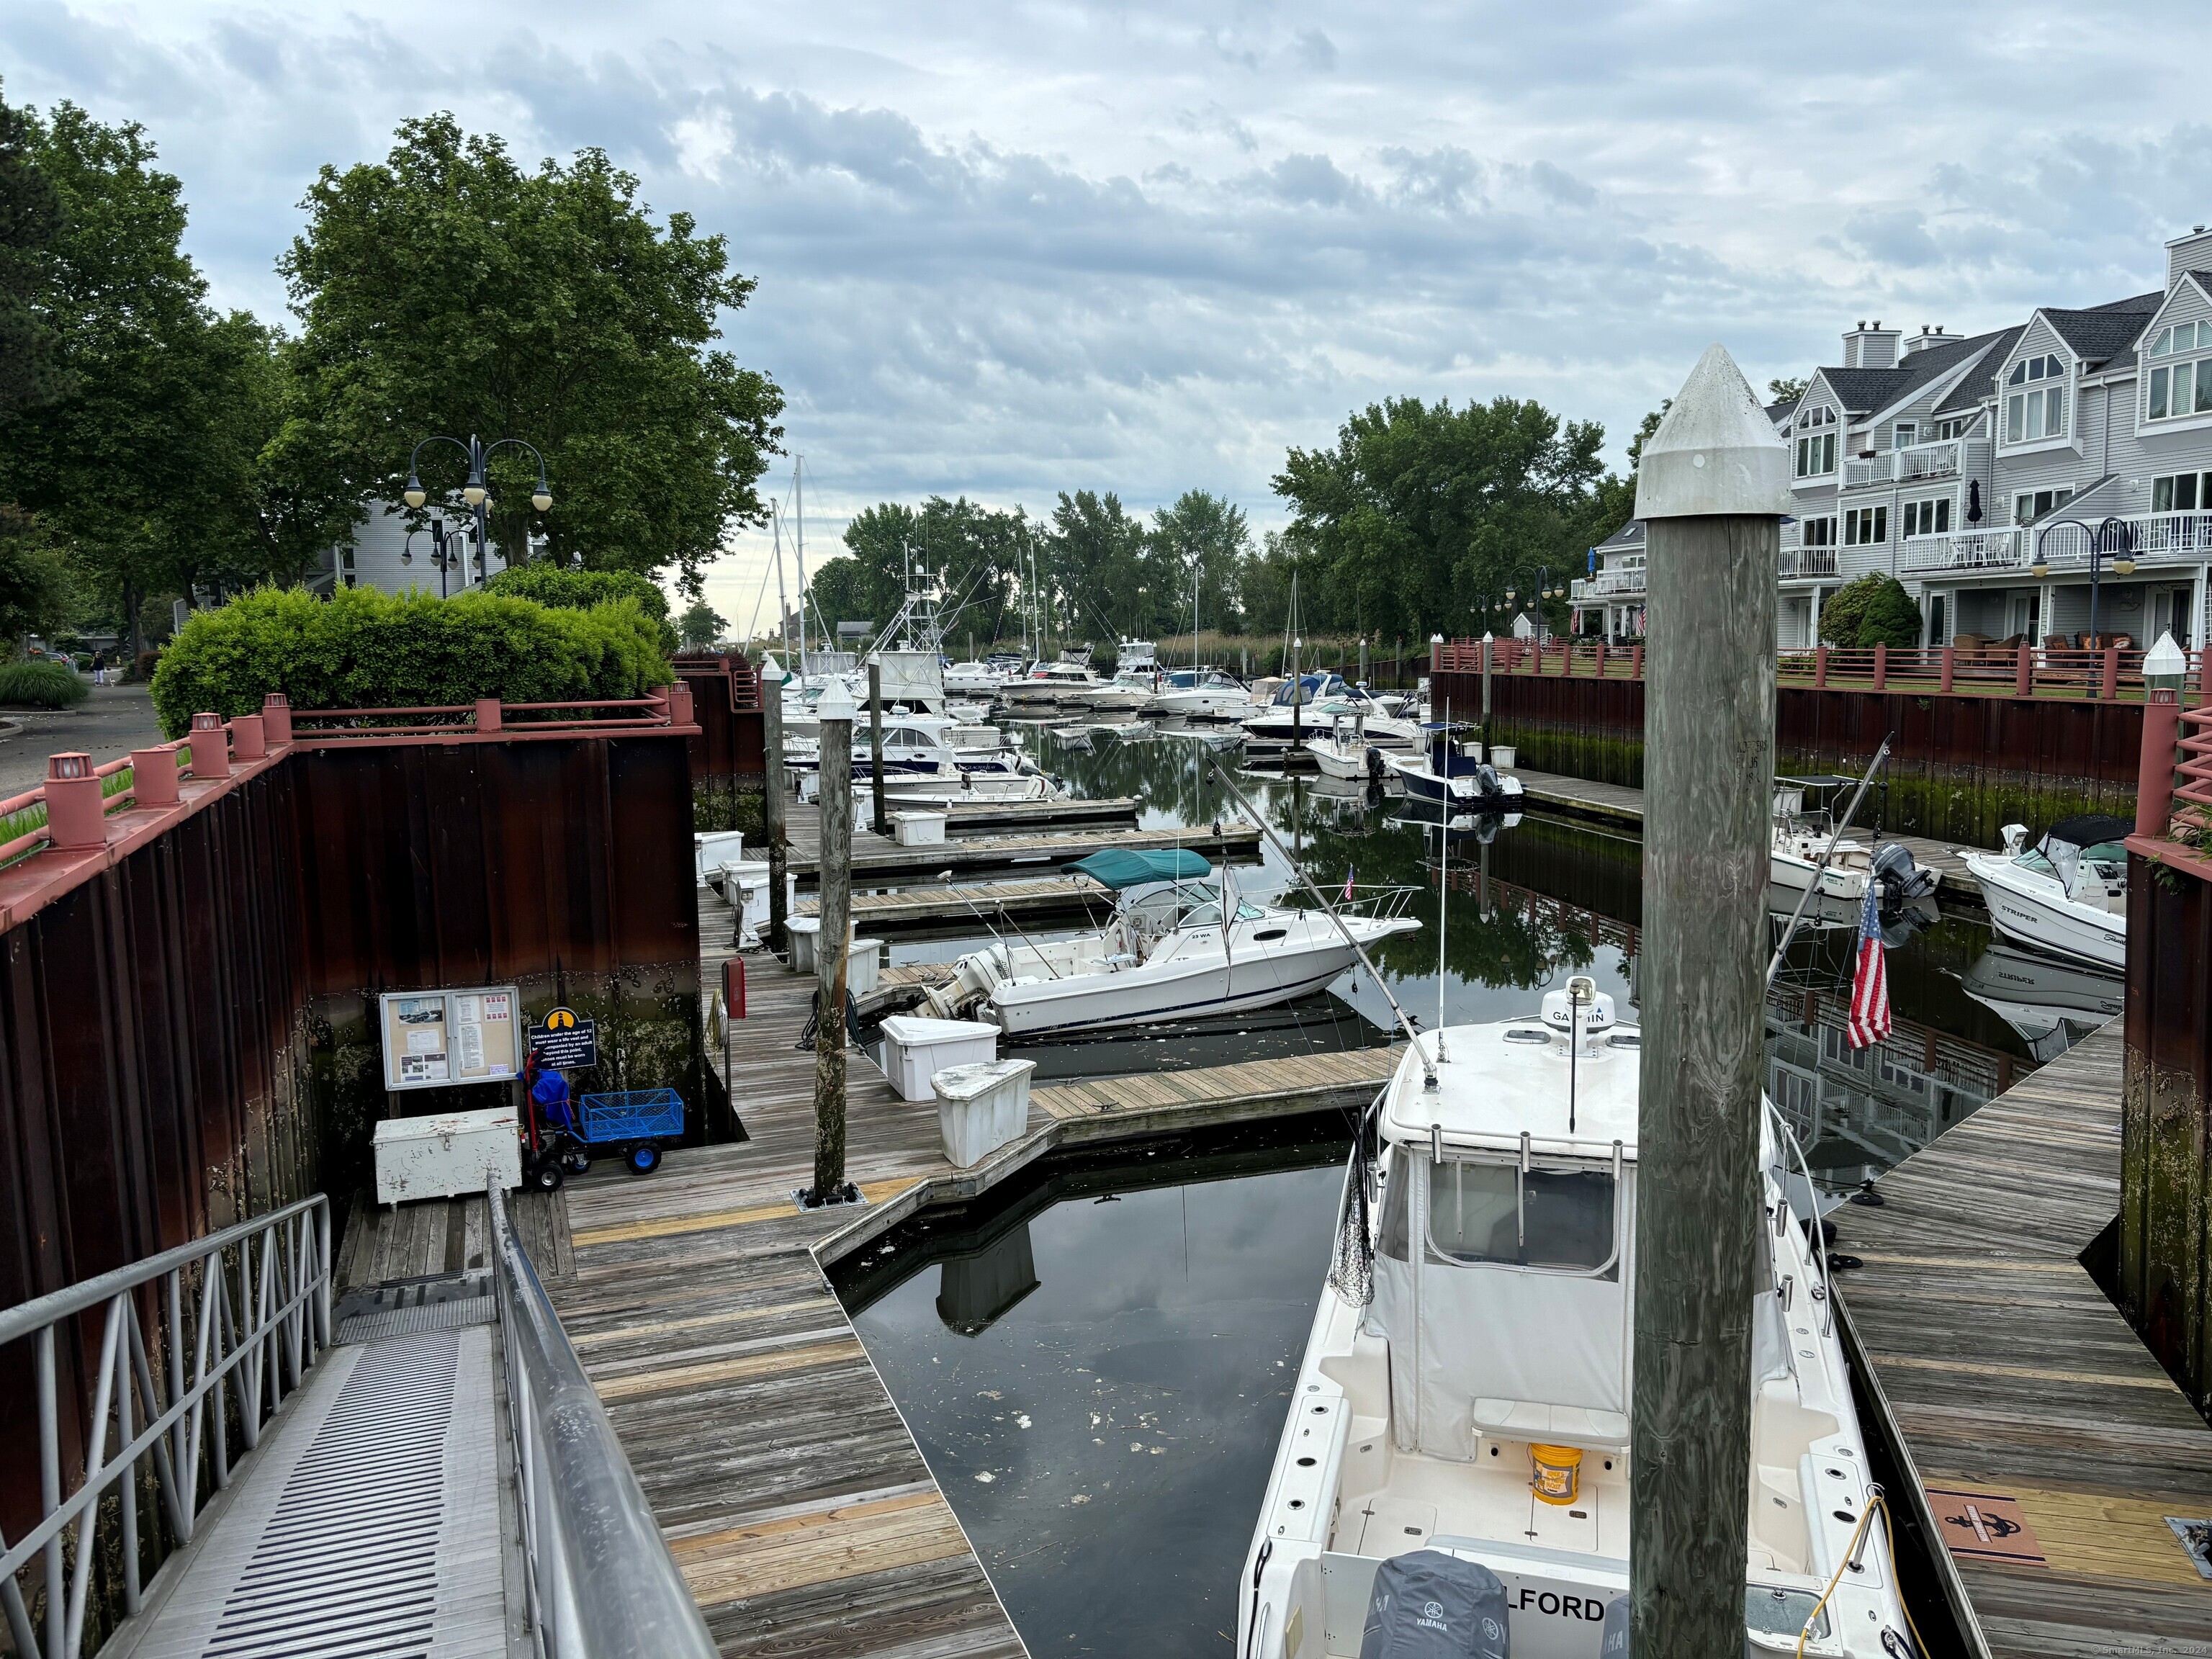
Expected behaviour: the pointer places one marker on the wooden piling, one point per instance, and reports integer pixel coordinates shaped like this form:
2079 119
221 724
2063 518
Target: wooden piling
774 822
832 945
1713 486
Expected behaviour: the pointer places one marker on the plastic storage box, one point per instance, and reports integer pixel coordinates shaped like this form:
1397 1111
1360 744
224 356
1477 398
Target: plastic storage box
916 1050
864 964
919 829
448 1156
981 1109
712 848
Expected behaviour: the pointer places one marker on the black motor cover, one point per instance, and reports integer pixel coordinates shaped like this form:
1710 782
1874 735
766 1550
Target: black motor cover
1428 1604
1900 876
1613 1642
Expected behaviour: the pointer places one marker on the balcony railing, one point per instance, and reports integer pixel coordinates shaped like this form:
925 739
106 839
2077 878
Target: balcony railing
1941 459
2065 546
1805 563
1608 585
1966 550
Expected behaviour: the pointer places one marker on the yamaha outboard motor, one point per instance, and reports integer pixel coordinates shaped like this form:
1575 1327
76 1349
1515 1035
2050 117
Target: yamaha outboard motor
1375 765
1487 776
1613 1642
1900 877
1428 1604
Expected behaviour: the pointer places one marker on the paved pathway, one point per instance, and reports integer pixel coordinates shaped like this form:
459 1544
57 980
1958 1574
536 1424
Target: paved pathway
109 724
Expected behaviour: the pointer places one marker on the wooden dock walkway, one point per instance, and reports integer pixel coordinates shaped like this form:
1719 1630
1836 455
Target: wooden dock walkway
802 1513
875 859
915 907
1616 803
2025 1400
803 820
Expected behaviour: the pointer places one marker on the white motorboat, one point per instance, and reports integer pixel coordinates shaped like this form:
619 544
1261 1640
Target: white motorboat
1052 683
920 745
1126 693
2067 894
979 680
1201 694
1343 751
1455 773
906 789
1166 954
1462 1414
1802 835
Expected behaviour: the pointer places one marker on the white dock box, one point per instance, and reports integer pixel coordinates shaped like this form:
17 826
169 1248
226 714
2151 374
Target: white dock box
448 1156
919 829
1501 755
803 933
864 964
916 1050
712 848
981 1109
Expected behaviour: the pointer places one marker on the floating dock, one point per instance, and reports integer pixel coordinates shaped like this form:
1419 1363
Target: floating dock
802 822
876 860
802 1514
917 906
1616 803
2050 1447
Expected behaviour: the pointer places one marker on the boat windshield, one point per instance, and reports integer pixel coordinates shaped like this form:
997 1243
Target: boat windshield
1494 1213
1206 915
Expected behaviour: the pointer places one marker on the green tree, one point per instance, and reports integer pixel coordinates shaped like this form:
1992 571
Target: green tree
148 461
38 586
1874 609
1786 390
1099 575
1614 501
448 290
700 627
980 555
30 221
1421 511
1201 531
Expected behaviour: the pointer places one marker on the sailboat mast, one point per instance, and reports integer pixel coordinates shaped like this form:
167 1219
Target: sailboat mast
782 602
799 488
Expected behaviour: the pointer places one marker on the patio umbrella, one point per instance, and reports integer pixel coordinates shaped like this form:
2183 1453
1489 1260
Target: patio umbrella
1973 500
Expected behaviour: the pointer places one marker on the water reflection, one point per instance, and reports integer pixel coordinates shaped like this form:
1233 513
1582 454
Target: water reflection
1097 1367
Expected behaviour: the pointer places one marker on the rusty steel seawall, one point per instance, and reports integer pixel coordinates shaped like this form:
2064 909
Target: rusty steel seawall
2165 1271
1961 767
185 1034
729 754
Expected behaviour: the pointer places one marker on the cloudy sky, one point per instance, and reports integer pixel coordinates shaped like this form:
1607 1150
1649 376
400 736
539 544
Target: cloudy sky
1012 248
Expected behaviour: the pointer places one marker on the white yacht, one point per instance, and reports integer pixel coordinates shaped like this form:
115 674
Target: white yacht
1462 1414
1800 836
2067 894
1201 694
1343 752
1051 683
1166 954
1126 693
977 680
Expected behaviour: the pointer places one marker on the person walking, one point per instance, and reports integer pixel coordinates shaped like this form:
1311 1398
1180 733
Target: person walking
99 668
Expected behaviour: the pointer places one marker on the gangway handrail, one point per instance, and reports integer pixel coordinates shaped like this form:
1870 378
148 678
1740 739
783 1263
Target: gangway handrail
281 1321
601 1580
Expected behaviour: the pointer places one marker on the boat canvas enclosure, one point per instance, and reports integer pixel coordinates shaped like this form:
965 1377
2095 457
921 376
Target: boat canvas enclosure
1118 868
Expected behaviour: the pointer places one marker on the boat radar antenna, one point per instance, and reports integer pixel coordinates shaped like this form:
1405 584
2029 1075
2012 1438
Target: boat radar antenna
1404 1021
1581 992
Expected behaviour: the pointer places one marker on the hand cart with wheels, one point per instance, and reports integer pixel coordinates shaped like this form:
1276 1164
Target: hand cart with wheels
634 1121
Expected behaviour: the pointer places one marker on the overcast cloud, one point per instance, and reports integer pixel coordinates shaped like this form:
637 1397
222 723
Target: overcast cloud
1006 249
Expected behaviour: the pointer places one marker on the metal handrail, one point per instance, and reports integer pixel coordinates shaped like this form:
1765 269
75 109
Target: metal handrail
601 1580
1820 1292
281 1320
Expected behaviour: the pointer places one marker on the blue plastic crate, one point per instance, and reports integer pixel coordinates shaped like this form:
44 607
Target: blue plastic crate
633 1115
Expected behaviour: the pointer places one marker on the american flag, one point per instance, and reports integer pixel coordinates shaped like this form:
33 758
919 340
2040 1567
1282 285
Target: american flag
1349 871
1869 1020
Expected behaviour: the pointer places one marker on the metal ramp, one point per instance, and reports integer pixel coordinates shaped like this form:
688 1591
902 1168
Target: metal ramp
369 1524
441 1483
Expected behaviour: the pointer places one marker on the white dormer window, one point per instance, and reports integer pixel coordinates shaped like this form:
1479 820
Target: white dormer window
2034 409
2172 389
1816 442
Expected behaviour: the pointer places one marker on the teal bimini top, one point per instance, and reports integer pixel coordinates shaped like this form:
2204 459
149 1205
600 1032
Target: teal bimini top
1118 867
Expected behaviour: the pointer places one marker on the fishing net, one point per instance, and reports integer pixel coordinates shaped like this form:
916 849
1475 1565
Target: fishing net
1351 1261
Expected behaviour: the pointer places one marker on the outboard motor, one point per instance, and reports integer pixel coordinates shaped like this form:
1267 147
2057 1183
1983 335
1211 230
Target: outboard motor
1487 776
1430 1605
1613 1643
1375 765
1900 877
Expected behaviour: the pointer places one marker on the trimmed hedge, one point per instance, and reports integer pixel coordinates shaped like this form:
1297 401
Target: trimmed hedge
41 685
579 590
362 648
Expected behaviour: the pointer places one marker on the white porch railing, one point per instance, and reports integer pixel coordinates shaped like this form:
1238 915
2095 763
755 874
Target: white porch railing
1966 550
1940 460
1805 563
1608 585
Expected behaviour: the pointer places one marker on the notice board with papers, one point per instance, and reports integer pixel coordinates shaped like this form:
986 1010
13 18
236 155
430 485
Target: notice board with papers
434 1039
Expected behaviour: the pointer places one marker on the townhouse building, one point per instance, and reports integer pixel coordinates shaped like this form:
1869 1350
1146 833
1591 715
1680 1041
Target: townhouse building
1978 470
382 552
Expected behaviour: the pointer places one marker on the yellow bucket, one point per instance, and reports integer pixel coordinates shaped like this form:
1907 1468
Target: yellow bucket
1558 1476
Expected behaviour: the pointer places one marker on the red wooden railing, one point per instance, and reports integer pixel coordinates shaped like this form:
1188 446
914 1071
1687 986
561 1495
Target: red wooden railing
71 807
2024 671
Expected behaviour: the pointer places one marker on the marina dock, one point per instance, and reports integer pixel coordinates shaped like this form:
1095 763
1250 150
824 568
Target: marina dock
802 1514
875 859
1616 803
2052 1448
916 907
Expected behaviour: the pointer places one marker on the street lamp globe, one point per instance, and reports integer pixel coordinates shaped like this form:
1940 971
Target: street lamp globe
2124 566
543 501
475 492
415 495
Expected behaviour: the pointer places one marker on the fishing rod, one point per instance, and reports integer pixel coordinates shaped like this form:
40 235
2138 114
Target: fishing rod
1881 756
1413 1035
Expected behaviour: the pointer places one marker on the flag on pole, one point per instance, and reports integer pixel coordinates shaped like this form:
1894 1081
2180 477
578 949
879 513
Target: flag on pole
1869 1018
1349 872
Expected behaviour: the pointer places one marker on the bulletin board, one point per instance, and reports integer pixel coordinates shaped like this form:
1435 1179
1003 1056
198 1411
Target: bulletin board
435 1039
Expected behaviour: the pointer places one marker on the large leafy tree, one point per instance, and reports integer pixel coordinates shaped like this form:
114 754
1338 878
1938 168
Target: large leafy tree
145 454
1421 512
980 553
1202 533
449 290
1101 573
30 222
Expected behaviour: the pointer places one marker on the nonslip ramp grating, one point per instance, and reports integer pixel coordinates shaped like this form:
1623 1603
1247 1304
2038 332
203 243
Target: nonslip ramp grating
429 1316
348 1565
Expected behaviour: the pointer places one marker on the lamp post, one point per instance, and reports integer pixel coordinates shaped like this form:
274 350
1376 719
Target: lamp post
475 492
2115 536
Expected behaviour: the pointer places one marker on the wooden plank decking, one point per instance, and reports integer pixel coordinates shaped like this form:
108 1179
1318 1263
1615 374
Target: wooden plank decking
805 1518
875 859
1617 803
803 819
914 906
2012 1377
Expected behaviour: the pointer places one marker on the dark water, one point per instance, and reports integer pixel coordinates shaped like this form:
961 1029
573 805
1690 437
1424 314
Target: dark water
1168 1294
